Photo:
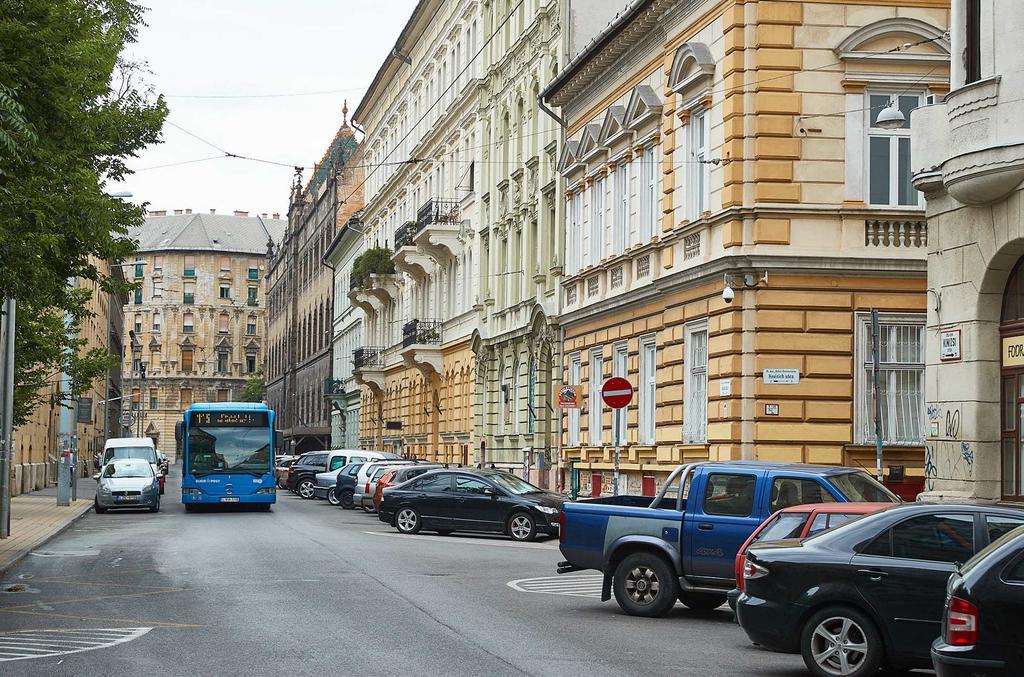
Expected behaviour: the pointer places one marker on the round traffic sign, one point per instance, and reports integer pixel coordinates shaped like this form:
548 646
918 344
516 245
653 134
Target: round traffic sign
127 419
617 392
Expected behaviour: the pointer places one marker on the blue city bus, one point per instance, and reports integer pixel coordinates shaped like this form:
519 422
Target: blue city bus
227 452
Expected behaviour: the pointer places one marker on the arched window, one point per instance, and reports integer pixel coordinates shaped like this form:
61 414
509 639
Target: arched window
1013 296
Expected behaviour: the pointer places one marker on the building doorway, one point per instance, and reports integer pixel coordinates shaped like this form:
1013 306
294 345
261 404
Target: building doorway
1011 335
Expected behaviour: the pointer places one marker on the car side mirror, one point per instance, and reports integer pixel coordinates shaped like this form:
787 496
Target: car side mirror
490 492
96 477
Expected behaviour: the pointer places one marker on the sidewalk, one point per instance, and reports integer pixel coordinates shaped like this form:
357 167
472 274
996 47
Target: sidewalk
36 518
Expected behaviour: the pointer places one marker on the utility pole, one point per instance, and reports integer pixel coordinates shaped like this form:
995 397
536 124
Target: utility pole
7 326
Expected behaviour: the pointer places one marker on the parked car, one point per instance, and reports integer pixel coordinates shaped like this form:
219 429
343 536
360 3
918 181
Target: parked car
683 544
471 500
281 465
345 486
127 483
868 594
982 635
798 521
366 481
327 482
400 475
302 473
132 447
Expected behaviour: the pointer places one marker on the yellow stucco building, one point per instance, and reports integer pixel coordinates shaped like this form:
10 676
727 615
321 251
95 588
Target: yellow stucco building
715 145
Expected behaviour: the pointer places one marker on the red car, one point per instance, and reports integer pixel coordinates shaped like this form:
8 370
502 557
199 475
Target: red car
799 521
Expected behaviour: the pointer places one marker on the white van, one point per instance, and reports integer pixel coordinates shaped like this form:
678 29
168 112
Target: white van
132 447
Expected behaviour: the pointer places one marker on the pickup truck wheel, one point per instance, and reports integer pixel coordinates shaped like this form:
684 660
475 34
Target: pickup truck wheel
347 502
841 642
645 585
305 488
702 601
521 527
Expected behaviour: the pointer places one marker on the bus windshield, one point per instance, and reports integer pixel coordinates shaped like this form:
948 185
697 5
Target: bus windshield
226 449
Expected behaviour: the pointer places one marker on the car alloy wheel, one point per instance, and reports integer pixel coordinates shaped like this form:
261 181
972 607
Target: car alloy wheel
407 521
332 496
521 527
306 488
841 642
642 585
347 502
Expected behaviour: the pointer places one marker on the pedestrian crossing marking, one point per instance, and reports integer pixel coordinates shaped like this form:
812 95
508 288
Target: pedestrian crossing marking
574 585
25 644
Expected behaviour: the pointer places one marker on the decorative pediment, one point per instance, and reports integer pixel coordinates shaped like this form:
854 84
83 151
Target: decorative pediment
223 341
643 108
612 129
187 342
252 345
876 42
153 343
569 156
590 142
693 68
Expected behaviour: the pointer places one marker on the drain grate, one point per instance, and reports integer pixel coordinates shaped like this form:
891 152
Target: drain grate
15 588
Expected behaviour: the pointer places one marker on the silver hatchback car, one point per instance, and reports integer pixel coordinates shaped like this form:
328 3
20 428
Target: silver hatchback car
127 483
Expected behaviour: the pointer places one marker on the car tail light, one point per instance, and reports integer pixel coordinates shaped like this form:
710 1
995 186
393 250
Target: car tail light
961 623
367 489
291 469
752 571
561 526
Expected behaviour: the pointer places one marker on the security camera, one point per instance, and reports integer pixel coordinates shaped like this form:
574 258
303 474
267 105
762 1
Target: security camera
728 294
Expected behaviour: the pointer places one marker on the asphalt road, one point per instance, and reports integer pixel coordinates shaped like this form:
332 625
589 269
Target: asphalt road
310 589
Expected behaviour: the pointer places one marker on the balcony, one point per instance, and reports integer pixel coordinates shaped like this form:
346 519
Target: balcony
407 257
368 367
334 387
438 225
421 346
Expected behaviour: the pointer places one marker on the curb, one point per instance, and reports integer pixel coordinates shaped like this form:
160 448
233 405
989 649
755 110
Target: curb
7 566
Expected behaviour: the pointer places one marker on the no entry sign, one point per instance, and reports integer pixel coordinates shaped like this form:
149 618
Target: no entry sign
617 392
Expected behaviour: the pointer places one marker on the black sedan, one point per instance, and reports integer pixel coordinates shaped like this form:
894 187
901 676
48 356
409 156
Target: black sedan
471 500
868 593
982 635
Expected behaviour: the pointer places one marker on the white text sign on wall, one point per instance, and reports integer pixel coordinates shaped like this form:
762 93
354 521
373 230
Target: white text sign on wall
949 345
781 376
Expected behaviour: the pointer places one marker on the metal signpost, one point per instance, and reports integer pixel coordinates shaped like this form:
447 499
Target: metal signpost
875 349
6 413
617 393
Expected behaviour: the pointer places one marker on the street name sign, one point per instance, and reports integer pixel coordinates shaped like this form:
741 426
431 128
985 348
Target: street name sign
781 376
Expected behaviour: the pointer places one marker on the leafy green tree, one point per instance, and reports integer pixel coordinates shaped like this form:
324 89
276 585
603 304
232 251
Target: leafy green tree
253 389
73 111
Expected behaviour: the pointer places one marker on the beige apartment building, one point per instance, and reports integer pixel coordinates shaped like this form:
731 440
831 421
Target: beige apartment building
198 315
734 210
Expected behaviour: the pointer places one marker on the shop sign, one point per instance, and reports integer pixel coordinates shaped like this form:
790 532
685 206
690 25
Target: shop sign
949 345
568 396
1013 351
781 376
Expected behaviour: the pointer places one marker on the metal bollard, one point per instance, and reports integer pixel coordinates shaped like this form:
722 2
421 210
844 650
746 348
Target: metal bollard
64 479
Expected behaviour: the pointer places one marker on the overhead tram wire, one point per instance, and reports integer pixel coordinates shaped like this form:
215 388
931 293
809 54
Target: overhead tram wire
264 96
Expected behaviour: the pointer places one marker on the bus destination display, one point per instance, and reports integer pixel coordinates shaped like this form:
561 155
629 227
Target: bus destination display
236 419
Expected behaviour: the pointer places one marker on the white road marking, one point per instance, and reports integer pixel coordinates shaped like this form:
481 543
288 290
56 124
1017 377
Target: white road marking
64 553
574 585
464 541
25 644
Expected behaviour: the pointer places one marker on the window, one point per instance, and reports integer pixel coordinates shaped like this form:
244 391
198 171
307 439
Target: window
185 395
889 181
901 376
222 323
222 362
250 326
188 295
699 168
186 359
224 395
441 483
153 399
138 323
595 407
225 263
972 52
621 207
648 192
225 291
729 494
136 399
787 491
597 222
786 525
189 268
138 296
531 391
253 271
156 322
997 525
336 462
935 538
695 414
575 235
470 485
620 367
516 396
139 267
251 298
824 520
575 378
250 363
647 391
186 323
158 264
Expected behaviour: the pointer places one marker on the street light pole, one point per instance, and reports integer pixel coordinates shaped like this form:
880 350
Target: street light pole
7 326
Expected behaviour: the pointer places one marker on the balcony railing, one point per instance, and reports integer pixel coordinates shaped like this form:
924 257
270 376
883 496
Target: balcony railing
421 332
334 386
368 356
436 210
404 234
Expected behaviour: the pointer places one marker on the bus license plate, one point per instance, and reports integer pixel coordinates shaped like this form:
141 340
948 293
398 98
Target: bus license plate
229 499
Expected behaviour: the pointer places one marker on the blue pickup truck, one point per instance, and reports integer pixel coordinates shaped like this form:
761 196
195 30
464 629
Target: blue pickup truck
682 545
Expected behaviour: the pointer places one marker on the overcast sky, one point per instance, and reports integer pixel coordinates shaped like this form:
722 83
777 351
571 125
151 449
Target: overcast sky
252 47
